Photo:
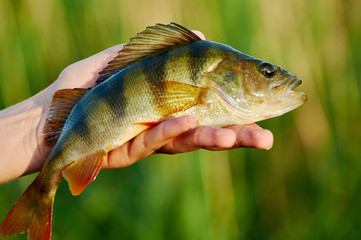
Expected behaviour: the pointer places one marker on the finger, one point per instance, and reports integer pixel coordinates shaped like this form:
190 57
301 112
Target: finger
200 34
148 142
252 135
201 137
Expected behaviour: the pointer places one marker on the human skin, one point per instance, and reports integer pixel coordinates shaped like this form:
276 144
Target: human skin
21 137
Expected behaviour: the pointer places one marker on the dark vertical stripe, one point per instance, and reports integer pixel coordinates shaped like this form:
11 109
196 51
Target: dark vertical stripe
155 74
80 125
112 94
198 59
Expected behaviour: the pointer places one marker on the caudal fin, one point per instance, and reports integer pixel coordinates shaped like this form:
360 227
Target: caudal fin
32 212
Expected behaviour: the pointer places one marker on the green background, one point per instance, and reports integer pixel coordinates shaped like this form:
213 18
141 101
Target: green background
308 186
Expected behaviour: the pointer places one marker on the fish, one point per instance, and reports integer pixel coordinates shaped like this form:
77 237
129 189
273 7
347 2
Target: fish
164 72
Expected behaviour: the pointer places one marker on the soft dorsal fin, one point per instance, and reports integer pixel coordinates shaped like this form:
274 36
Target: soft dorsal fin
152 41
63 102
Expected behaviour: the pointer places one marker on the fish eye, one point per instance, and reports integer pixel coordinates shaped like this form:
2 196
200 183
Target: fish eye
267 69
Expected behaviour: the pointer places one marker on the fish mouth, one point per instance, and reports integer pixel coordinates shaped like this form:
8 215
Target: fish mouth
291 93
295 82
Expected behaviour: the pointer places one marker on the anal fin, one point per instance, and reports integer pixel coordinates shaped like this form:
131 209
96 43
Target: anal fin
80 173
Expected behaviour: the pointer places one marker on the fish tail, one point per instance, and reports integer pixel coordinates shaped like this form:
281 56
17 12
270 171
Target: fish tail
32 212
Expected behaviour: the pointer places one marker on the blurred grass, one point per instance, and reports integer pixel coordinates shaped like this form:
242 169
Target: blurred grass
307 187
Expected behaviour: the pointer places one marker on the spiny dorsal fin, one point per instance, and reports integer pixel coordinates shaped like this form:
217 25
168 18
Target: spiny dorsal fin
63 102
152 41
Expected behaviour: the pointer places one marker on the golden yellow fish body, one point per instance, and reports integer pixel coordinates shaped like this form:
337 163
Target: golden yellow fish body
173 84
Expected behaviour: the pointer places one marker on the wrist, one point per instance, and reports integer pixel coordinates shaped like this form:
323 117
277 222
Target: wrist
21 137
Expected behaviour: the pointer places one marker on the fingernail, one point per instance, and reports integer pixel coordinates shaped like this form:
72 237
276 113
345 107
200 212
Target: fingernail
269 147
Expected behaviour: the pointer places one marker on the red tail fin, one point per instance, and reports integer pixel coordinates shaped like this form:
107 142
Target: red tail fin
31 212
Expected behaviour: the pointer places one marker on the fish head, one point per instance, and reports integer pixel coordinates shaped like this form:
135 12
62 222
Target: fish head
255 89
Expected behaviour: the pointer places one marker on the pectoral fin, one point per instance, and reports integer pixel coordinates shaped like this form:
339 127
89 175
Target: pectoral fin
80 173
171 97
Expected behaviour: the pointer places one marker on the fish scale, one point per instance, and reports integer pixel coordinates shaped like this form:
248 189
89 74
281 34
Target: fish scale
164 72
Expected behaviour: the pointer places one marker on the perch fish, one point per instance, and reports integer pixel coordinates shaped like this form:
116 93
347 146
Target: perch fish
164 72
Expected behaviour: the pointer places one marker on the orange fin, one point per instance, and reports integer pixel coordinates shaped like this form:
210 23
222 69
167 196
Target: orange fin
31 212
148 124
79 174
151 42
172 97
63 102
